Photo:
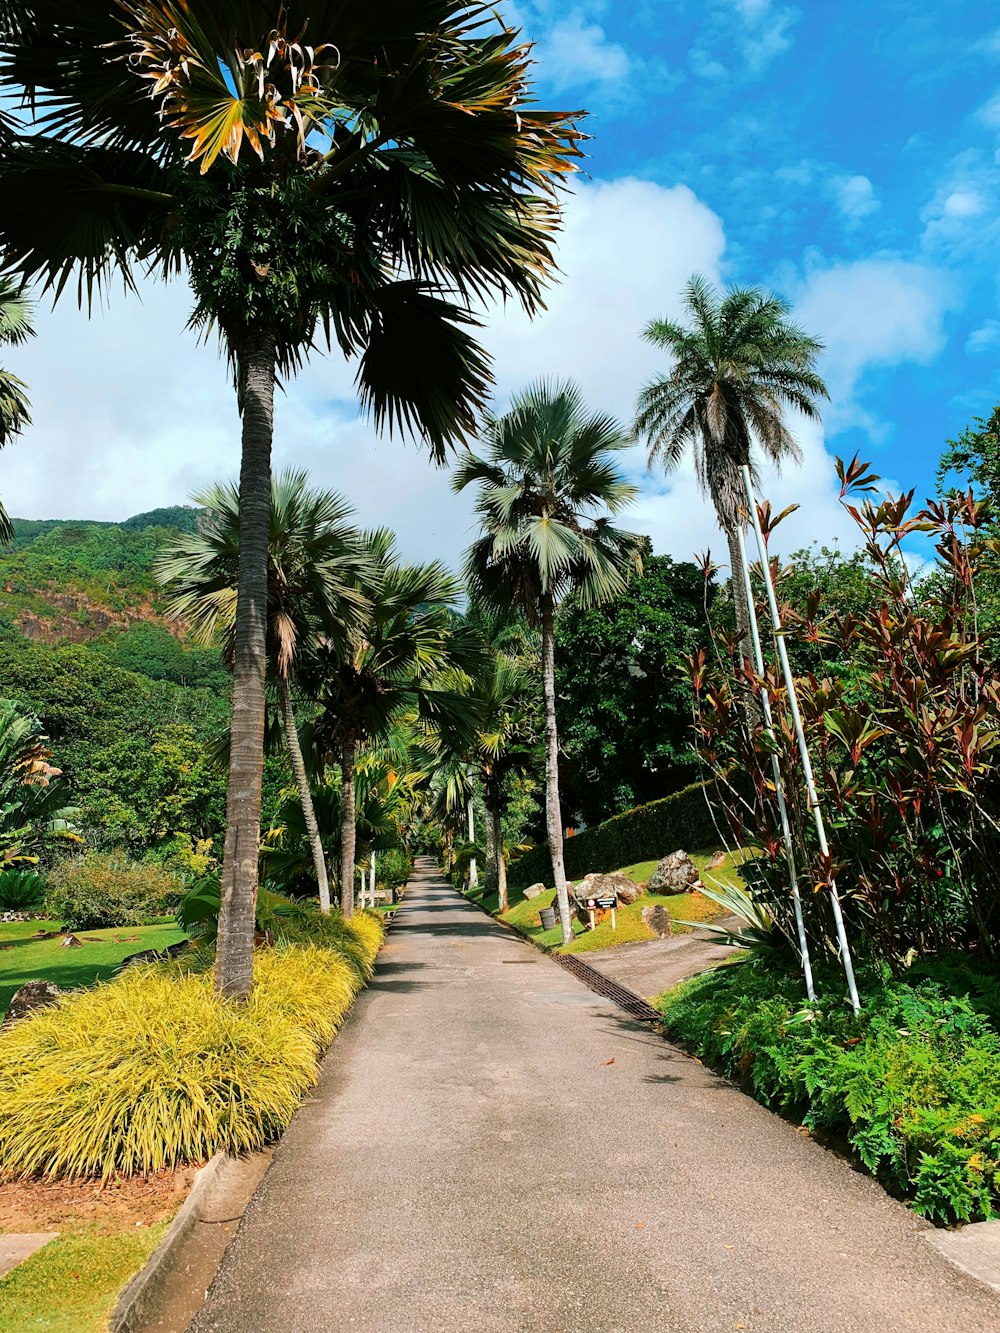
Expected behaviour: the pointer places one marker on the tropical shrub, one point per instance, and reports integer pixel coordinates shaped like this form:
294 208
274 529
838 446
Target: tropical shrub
106 889
902 719
912 1083
34 805
21 889
287 921
153 1069
683 820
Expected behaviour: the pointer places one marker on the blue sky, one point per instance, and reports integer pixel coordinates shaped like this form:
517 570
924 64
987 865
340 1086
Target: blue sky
821 135
846 154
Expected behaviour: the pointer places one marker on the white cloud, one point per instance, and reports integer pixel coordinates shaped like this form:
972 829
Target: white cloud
983 339
873 312
576 52
854 197
962 214
131 414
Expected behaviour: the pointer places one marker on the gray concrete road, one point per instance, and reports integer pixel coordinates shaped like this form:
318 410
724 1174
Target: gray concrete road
649 967
493 1149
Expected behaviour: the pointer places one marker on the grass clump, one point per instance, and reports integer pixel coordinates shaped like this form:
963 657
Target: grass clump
153 1069
912 1083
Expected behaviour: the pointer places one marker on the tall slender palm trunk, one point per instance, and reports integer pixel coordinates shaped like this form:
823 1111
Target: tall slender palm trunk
553 811
305 795
501 860
238 903
739 591
348 825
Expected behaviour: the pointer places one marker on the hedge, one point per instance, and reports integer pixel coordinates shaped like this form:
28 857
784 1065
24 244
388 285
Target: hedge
682 820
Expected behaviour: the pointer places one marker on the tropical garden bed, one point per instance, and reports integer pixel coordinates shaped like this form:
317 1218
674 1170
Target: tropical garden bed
911 1085
686 909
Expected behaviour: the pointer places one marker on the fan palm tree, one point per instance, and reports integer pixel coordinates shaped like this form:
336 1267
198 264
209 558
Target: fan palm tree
399 664
547 475
15 328
738 366
366 185
314 562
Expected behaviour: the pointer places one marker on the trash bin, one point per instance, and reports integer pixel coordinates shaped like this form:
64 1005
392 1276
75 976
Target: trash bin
547 916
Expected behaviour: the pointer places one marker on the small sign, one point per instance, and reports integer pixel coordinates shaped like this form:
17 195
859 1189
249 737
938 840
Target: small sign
606 904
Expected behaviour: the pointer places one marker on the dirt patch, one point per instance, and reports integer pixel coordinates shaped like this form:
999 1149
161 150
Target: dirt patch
44 1205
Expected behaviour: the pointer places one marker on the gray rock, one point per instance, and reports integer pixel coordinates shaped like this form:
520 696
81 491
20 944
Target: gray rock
657 918
601 886
534 891
676 873
33 995
71 942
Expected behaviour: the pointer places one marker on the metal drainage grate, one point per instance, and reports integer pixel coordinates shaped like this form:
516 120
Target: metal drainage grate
610 990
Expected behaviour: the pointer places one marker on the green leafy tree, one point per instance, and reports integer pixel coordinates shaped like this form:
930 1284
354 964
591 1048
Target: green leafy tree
547 483
625 698
314 562
395 666
739 365
366 186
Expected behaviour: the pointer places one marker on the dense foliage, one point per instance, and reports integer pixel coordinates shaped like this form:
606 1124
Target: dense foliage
97 890
913 1084
901 716
624 695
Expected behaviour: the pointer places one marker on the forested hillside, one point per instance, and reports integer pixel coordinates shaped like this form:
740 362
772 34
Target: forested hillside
126 699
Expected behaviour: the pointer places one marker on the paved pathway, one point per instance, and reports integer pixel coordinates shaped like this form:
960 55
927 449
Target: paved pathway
493 1149
649 967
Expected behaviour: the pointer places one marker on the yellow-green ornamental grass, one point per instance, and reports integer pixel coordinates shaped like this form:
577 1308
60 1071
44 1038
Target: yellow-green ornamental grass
152 1069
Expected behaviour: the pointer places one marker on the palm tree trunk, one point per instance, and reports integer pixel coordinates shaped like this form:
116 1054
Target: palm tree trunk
473 868
305 795
348 828
501 861
739 593
553 812
238 902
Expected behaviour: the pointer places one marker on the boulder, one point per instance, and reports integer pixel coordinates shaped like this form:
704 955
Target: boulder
71 942
657 918
602 886
32 995
676 873
719 859
534 891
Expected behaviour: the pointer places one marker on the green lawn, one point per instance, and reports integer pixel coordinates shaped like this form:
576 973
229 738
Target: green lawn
685 908
71 1285
25 959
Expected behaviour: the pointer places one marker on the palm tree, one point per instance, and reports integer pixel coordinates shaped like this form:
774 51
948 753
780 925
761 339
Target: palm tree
547 476
314 562
399 663
368 187
15 328
739 365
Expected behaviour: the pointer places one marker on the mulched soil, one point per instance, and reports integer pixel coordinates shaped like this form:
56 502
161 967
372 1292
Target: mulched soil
49 1205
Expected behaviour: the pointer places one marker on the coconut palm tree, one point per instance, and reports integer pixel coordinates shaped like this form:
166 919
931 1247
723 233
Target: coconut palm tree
398 665
739 365
547 483
315 560
15 328
366 184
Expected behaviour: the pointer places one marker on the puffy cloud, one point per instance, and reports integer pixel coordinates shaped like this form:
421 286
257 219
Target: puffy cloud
854 197
983 339
576 52
869 313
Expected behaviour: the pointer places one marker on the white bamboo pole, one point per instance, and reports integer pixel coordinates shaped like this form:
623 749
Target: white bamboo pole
779 786
473 868
807 768
372 891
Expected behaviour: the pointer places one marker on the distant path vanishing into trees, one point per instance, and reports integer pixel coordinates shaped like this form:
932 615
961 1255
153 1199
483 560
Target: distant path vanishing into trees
493 1149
